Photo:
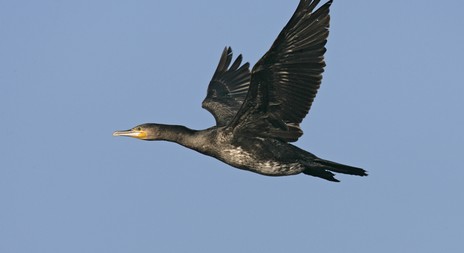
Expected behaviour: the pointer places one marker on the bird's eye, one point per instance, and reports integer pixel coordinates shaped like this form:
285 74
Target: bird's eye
138 129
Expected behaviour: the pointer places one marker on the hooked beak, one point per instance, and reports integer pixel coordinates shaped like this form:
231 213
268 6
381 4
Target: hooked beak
131 133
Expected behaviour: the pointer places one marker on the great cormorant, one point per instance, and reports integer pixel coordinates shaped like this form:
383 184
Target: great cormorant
258 113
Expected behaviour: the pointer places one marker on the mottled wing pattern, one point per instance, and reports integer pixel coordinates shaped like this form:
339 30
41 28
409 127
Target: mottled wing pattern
228 88
285 80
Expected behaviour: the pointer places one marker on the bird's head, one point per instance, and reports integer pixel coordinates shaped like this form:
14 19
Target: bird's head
142 132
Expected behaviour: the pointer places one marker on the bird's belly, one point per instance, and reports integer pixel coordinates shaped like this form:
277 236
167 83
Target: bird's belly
270 166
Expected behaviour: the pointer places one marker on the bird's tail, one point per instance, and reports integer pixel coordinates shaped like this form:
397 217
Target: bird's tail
322 168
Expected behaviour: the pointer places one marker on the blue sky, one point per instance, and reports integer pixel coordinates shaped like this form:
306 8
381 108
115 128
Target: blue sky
72 72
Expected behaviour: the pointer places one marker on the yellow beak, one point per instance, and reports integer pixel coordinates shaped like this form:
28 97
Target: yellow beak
131 133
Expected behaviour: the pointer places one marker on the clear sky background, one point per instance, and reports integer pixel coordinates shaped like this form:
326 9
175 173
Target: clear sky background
72 72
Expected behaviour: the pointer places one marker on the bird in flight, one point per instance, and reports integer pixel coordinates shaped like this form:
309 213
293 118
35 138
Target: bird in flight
258 112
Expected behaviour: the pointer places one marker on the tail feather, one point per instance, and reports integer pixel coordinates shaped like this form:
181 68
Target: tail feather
323 169
340 168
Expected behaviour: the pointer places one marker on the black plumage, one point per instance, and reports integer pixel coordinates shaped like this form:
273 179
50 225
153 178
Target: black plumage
258 112
228 88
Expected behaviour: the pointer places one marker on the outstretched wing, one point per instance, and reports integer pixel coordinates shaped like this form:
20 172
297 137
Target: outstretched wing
285 80
228 88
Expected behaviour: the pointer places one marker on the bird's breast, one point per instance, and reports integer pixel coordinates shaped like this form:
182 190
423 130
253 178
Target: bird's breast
259 162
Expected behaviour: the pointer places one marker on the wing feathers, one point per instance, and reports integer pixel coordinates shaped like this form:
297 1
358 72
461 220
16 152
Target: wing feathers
227 88
285 80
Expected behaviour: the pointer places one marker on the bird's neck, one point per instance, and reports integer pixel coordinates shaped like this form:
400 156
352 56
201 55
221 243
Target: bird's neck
179 134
